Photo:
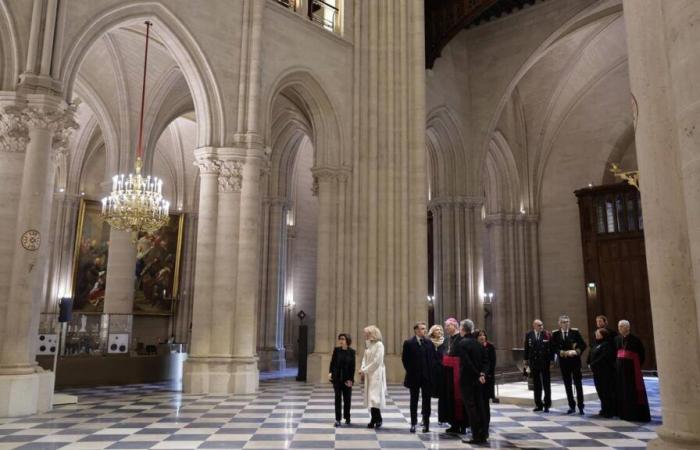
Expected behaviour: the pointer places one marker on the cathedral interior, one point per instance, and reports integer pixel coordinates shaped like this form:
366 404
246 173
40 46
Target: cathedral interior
313 167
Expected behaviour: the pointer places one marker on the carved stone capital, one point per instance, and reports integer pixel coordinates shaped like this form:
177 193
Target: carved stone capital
328 174
58 120
14 135
230 176
207 165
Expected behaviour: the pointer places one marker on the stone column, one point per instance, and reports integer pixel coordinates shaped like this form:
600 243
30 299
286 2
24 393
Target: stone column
271 313
63 249
24 387
183 315
663 60
496 230
245 369
196 370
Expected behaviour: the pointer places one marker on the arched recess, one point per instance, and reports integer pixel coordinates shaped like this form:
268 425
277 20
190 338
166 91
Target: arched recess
306 92
447 164
299 116
181 44
9 50
502 182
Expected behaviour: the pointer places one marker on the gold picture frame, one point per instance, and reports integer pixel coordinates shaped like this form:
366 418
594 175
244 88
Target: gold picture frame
156 268
89 278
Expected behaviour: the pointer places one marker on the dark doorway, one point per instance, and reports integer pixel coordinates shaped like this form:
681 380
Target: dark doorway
614 258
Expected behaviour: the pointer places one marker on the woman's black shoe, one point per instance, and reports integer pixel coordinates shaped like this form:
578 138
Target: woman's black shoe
347 421
378 424
370 425
337 423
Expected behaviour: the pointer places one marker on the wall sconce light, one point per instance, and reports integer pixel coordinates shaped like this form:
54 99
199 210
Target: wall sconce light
488 298
591 291
431 299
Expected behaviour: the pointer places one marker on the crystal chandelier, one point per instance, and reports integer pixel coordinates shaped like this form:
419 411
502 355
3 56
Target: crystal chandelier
136 203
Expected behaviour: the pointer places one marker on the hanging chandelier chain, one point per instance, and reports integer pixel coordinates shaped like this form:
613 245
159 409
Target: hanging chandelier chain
139 149
136 202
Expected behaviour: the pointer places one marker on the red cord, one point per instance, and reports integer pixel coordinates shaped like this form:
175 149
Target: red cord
139 149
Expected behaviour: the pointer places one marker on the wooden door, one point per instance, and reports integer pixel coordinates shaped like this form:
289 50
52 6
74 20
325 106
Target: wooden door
612 236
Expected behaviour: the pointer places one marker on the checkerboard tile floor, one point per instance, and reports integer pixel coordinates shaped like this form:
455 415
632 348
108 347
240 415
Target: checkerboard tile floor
290 415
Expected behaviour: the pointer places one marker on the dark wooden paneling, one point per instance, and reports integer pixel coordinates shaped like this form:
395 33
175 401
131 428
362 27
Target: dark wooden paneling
615 260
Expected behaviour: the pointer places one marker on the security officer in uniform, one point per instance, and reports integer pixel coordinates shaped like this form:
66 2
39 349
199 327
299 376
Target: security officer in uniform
538 356
567 345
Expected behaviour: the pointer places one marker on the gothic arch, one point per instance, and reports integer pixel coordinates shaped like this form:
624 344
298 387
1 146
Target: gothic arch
317 114
501 179
181 44
589 15
9 50
447 166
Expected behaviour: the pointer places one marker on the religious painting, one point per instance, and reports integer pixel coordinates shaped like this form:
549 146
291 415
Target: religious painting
90 259
157 268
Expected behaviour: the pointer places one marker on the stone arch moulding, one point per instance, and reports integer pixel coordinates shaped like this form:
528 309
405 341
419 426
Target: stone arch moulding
9 49
501 177
181 44
299 84
620 148
446 151
591 14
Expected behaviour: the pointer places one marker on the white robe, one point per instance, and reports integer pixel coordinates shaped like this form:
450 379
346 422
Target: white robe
375 375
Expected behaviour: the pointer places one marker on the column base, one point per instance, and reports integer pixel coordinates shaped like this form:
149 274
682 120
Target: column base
220 375
22 395
672 440
271 359
317 366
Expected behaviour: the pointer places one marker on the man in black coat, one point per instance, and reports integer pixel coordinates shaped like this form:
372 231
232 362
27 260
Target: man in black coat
417 355
538 356
567 345
602 322
473 367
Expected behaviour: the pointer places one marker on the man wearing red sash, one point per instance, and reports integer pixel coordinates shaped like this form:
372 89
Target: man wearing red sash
450 406
632 403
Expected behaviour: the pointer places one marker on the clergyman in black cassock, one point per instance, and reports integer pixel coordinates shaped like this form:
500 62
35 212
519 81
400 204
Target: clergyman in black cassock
416 356
601 360
450 408
473 367
538 356
567 344
632 402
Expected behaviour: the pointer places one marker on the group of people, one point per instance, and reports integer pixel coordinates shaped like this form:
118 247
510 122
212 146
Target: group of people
456 368
614 358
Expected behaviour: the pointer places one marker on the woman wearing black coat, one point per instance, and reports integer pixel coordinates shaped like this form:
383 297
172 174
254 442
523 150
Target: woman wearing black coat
601 360
341 373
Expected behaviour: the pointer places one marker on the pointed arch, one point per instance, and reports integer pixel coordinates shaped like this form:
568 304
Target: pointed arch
181 44
9 49
502 180
446 156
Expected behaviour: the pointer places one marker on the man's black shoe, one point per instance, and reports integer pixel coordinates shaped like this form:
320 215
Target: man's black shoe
413 428
426 428
347 421
571 411
378 424
453 429
337 423
546 409
538 408
580 411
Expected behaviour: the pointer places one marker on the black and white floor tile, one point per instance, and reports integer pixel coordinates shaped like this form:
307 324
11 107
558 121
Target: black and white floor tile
290 415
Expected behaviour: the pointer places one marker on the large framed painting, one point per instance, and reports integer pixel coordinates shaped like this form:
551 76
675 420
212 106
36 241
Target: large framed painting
90 259
158 268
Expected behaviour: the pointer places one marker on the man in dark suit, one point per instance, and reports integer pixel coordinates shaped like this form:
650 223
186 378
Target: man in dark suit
602 322
473 367
416 356
538 356
567 345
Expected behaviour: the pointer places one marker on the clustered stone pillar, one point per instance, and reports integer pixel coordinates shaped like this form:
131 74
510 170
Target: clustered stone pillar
514 279
271 311
226 280
378 271
24 387
662 38
457 258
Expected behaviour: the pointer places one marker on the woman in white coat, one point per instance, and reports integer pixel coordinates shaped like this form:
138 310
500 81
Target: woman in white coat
374 374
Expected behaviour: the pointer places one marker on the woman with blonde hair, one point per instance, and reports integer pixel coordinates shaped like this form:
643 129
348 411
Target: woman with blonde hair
374 374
